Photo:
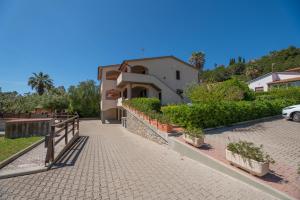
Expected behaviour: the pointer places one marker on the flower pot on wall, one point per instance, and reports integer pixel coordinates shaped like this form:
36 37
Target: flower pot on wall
165 127
196 142
252 166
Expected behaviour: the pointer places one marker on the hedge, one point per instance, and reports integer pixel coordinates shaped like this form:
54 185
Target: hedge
280 93
145 105
223 113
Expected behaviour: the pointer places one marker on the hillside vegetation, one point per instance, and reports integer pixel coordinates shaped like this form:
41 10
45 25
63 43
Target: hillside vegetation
239 68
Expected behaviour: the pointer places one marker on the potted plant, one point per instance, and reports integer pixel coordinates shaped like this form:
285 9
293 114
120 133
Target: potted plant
249 157
152 117
164 123
194 136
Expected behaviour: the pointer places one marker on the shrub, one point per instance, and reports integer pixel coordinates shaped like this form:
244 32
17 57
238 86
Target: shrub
280 93
230 90
212 114
250 151
195 132
163 119
145 105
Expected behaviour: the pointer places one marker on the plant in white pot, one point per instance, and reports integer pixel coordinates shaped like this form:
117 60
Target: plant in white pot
194 136
249 157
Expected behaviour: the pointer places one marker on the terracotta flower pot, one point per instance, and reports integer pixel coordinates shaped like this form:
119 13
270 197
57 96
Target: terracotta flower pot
165 127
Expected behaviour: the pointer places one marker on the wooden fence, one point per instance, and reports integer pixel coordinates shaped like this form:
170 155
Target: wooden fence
65 124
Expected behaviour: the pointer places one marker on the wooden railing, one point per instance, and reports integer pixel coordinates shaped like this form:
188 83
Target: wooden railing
68 124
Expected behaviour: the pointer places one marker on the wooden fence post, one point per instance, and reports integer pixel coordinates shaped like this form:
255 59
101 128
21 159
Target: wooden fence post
50 146
78 123
66 133
73 127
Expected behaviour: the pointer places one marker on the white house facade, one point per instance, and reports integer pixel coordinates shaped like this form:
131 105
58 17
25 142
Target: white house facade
162 77
275 79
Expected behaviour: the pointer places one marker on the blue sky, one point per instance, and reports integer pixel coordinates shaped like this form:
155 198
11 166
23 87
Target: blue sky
68 39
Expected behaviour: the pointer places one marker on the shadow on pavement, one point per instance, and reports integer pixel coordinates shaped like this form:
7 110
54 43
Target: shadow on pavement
71 155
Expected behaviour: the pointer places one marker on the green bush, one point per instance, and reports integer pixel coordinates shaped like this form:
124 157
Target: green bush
250 151
208 115
146 105
280 93
195 132
230 90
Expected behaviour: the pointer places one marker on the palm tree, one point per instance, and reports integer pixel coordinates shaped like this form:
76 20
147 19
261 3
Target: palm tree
198 59
40 82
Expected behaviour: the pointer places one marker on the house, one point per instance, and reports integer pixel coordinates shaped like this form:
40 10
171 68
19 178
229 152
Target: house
288 78
162 77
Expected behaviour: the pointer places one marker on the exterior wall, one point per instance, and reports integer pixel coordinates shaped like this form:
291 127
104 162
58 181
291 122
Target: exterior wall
107 85
165 70
288 75
110 114
264 80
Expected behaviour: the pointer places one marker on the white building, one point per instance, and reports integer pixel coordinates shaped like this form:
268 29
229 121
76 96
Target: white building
276 79
161 77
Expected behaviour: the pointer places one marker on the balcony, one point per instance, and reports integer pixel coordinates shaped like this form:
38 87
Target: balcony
126 77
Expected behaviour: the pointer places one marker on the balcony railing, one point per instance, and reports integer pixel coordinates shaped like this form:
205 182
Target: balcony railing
119 101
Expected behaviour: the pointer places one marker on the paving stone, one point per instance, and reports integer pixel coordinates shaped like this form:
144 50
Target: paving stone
114 164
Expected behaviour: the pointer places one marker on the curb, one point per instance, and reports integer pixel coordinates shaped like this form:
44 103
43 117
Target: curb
22 172
20 153
188 151
244 122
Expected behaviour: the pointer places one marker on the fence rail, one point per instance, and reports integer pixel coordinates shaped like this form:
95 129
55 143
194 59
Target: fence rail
68 124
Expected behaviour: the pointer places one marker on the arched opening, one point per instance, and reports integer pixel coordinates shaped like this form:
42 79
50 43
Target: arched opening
138 69
112 75
139 91
112 94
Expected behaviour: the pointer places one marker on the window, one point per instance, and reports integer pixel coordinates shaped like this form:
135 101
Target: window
112 94
112 75
177 75
159 96
259 89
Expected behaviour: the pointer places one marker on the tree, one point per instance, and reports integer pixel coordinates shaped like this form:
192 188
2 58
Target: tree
85 99
40 82
198 60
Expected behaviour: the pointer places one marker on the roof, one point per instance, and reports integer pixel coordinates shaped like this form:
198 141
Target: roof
154 58
100 68
297 69
260 77
270 73
288 80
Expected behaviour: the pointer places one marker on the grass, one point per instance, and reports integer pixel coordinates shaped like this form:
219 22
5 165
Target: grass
8 147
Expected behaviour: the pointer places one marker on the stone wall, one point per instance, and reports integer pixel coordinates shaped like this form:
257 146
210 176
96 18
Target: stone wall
27 127
2 124
136 125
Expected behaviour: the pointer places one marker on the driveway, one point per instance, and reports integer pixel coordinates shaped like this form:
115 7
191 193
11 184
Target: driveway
280 138
110 163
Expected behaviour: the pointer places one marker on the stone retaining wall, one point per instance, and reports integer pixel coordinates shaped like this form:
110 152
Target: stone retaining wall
136 125
27 127
2 124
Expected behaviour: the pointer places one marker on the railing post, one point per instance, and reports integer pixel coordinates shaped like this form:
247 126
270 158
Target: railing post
50 146
77 123
66 133
73 127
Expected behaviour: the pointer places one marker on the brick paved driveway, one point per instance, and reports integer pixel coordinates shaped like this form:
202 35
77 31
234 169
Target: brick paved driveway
115 164
280 138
